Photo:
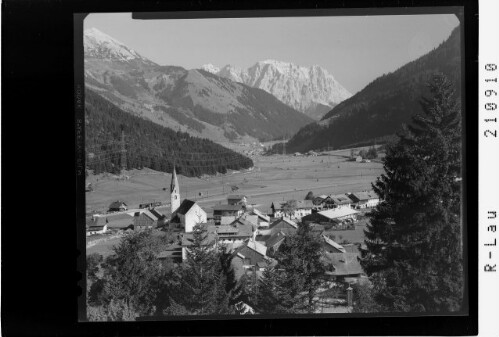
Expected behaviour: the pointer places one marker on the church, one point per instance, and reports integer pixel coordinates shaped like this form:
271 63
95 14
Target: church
186 213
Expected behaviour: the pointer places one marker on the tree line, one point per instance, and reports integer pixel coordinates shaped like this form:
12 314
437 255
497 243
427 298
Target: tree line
149 144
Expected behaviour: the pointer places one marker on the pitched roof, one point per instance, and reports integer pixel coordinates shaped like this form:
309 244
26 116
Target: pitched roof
343 263
274 239
334 244
285 220
341 199
226 229
290 222
117 204
277 204
257 247
155 212
261 215
96 221
227 207
150 215
227 220
185 206
252 219
365 195
338 212
305 204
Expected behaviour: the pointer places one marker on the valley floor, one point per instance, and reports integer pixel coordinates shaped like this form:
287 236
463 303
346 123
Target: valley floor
276 177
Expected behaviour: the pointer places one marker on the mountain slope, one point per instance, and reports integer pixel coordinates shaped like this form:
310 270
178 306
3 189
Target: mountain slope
194 101
309 90
379 110
149 144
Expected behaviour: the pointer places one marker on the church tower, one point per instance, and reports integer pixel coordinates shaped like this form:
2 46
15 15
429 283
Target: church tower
174 191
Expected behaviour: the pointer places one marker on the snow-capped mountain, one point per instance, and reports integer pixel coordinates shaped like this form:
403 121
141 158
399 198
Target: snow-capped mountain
194 101
312 91
99 45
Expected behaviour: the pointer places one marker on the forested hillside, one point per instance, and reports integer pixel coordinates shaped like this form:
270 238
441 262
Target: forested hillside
149 144
380 109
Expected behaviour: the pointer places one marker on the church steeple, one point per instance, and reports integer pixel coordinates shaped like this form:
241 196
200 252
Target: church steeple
174 191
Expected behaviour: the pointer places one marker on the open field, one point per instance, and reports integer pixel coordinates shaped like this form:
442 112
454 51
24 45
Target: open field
274 177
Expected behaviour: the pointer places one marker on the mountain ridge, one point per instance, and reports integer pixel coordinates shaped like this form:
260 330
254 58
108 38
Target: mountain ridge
379 110
194 101
307 90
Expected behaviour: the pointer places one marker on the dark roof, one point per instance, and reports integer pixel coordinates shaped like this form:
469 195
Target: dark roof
363 196
344 263
285 222
341 199
156 213
274 239
117 204
185 206
227 207
95 228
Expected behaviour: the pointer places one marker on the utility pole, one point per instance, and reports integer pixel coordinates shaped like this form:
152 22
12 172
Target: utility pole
123 151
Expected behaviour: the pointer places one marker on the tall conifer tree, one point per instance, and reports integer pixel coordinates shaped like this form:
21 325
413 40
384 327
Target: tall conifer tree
414 236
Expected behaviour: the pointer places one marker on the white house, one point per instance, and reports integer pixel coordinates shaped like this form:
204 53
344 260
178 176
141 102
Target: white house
96 225
301 209
188 214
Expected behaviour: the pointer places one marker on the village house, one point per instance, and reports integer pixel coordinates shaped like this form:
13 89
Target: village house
237 199
148 219
263 220
284 225
343 267
251 256
235 233
333 216
188 214
365 199
117 206
96 225
331 246
119 220
339 200
226 210
273 242
301 209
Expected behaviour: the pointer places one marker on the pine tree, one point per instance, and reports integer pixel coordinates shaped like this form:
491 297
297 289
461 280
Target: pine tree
299 256
414 242
274 295
201 284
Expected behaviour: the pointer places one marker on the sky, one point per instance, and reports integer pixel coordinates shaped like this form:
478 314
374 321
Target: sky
354 49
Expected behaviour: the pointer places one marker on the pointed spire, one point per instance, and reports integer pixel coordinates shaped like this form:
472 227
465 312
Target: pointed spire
174 182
